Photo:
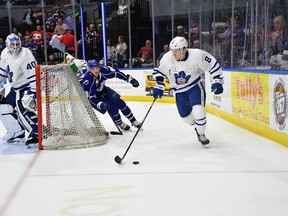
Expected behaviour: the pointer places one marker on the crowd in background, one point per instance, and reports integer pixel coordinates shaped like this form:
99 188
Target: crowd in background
271 47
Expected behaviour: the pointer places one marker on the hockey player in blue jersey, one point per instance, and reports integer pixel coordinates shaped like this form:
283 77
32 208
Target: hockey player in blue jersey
103 98
18 66
183 67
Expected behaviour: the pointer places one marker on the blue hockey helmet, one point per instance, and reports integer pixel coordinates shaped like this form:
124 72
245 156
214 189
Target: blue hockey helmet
13 43
93 63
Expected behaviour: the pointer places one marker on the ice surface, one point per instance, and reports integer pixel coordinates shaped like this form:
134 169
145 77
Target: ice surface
242 174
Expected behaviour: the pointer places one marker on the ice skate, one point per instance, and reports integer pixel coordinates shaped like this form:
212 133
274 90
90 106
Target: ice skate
137 124
202 138
31 141
124 126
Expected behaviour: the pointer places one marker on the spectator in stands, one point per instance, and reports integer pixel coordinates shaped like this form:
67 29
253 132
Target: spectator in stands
2 44
279 35
279 61
196 44
121 51
67 39
38 12
148 48
58 12
99 42
60 24
29 43
135 11
49 18
165 49
27 22
111 50
122 9
38 35
241 58
34 47
51 59
16 31
180 31
195 34
91 41
52 26
143 62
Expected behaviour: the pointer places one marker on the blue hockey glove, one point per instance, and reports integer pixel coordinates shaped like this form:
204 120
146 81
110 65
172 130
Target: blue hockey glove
132 80
158 90
217 86
102 106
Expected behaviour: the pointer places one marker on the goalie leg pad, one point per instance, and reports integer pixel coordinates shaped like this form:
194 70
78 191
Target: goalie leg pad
199 114
27 118
11 124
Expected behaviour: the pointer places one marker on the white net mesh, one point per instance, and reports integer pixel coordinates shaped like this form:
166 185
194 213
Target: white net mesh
68 120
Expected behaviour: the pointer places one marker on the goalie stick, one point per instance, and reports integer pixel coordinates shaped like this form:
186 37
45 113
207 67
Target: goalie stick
118 159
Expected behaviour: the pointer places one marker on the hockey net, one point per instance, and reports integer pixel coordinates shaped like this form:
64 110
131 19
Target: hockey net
66 120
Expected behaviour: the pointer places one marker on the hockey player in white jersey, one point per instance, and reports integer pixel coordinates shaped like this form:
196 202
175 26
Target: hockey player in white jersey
19 66
183 67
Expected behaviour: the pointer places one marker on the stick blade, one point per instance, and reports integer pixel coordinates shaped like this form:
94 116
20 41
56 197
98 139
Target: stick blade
117 159
115 133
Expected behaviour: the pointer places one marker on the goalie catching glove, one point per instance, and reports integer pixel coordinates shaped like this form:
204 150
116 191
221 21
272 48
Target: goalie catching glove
217 85
132 80
28 101
158 90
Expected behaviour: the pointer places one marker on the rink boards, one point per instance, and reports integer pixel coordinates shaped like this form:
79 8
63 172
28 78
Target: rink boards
253 99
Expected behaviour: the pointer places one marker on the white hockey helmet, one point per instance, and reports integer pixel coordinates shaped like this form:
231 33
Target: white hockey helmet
13 43
178 43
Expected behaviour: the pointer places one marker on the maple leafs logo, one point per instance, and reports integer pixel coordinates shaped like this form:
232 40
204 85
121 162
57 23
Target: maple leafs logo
181 78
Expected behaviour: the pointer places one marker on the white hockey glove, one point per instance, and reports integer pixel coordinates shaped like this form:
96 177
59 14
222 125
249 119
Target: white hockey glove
29 102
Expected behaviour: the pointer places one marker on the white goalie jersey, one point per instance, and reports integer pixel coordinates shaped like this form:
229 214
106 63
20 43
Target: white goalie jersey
183 75
20 69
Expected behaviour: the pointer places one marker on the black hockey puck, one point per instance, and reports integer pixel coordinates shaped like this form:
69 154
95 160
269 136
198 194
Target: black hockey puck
135 162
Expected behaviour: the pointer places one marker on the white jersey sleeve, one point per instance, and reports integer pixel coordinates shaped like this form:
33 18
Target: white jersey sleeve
185 74
3 75
20 69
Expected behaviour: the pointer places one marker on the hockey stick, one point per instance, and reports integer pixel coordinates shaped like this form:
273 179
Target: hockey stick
115 132
118 159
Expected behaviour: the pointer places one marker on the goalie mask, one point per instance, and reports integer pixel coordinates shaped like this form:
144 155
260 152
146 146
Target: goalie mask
13 43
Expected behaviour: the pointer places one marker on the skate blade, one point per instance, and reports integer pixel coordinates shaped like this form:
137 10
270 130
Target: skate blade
205 146
17 140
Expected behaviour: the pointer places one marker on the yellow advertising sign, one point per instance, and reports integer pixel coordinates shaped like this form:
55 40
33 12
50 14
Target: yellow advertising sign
250 96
